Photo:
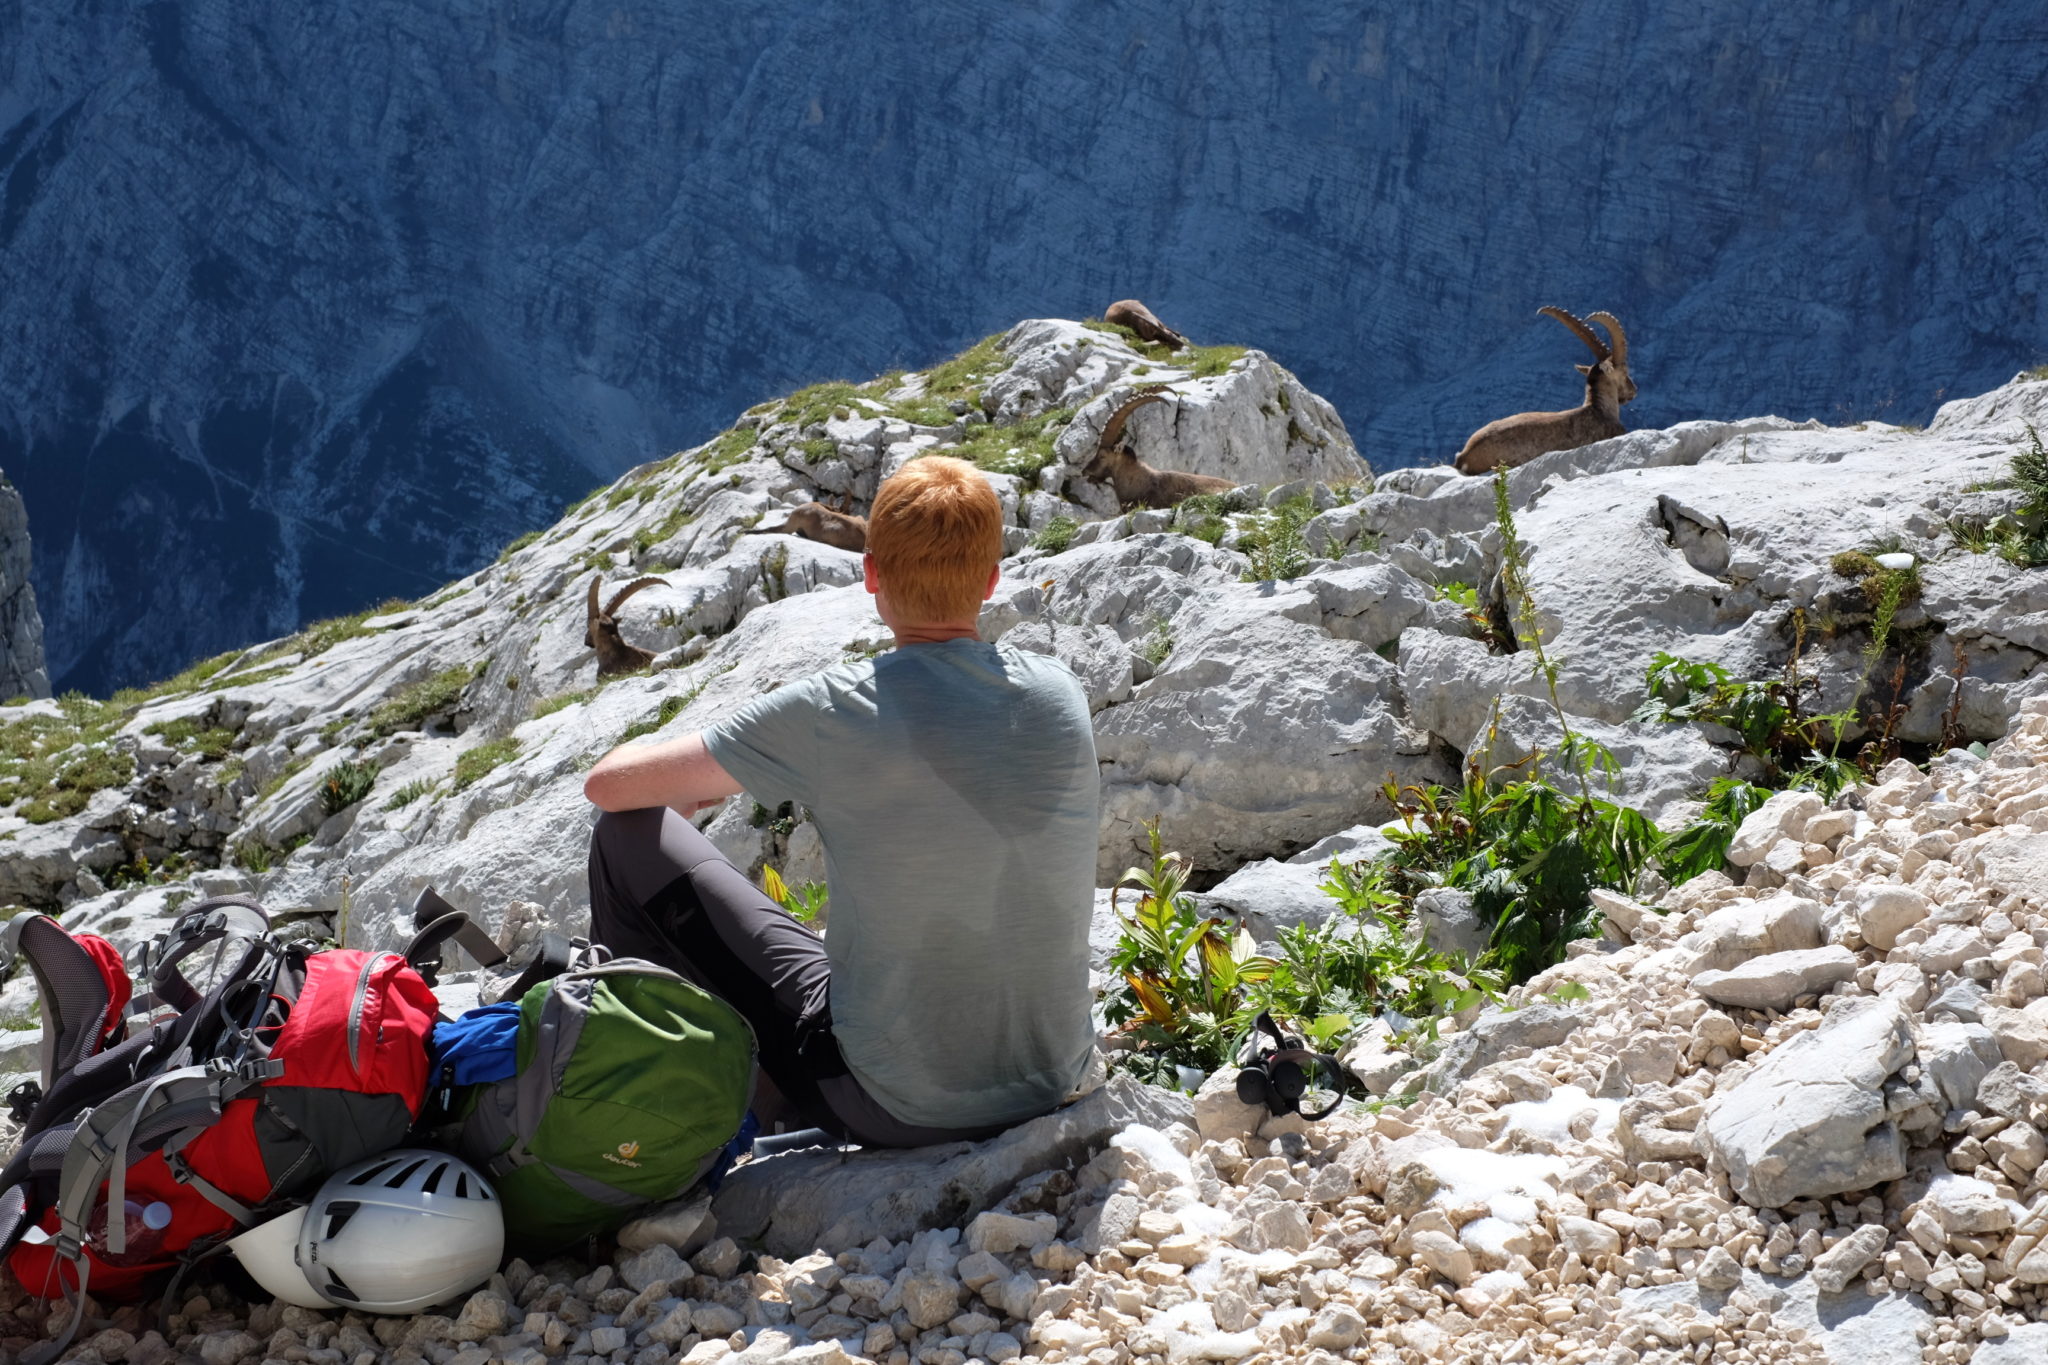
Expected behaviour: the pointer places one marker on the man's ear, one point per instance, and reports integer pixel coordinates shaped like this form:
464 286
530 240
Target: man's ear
867 570
995 576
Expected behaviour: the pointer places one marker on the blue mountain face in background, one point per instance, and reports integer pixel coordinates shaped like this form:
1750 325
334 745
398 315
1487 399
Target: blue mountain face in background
306 306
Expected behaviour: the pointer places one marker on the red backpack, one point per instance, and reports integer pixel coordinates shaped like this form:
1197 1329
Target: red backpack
294 1063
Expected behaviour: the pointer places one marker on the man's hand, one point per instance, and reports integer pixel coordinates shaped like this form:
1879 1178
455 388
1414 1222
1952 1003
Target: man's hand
679 773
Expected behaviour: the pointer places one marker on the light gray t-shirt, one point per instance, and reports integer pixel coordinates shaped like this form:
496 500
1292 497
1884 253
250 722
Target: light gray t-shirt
954 786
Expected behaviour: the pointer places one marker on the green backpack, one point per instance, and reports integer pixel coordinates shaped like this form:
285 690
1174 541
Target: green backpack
631 1081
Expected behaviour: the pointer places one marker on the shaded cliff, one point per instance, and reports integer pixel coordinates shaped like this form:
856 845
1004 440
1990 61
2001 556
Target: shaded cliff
22 673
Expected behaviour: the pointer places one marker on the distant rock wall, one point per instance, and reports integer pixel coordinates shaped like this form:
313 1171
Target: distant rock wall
22 673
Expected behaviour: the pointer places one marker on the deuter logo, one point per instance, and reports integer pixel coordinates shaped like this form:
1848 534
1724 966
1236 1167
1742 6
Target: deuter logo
627 1151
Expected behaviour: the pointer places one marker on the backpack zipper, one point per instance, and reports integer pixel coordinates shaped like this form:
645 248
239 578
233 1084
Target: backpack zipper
355 1011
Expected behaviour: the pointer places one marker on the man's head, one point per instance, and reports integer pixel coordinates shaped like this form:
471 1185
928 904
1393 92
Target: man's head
935 538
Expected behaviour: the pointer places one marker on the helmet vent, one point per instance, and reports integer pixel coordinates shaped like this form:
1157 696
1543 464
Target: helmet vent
370 1173
337 1288
403 1175
433 1185
338 1214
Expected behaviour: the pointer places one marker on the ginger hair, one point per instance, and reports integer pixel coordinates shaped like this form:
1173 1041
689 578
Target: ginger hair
935 531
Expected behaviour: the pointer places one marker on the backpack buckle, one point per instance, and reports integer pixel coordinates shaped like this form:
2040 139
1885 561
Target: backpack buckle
22 1100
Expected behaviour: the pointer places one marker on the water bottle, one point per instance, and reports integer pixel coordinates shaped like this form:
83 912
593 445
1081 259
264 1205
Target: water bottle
146 1225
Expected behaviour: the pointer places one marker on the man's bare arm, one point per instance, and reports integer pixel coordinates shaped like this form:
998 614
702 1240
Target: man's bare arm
676 772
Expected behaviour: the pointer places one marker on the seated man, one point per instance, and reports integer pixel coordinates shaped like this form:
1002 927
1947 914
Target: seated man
954 785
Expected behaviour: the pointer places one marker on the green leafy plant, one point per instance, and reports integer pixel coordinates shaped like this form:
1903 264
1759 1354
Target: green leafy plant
1157 645
1056 535
1465 598
1334 975
346 783
1767 717
2024 542
1201 517
1186 992
252 855
1527 852
808 903
1273 541
1702 846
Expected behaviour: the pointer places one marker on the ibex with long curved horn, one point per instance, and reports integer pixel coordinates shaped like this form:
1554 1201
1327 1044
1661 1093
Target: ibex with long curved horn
1516 440
1136 483
614 655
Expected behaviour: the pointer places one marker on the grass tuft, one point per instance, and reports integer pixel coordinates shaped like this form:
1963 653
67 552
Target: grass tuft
472 765
421 702
409 793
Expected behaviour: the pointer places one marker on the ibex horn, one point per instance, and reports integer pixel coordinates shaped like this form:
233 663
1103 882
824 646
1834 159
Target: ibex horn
1585 333
1613 327
619 597
590 620
1113 429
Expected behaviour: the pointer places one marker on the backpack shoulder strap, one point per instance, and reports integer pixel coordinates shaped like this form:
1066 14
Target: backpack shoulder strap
558 956
221 919
435 922
101 1148
73 993
423 953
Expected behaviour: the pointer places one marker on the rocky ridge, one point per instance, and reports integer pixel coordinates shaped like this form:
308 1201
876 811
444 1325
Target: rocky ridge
1259 718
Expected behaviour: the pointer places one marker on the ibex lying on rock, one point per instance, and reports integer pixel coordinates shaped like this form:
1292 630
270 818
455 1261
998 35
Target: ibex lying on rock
835 526
1136 483
614 655
1136 316
1519 439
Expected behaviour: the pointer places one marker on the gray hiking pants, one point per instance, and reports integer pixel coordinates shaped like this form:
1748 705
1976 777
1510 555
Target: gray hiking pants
659 890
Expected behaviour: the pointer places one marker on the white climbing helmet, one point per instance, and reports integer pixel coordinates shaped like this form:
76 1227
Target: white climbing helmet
394 1234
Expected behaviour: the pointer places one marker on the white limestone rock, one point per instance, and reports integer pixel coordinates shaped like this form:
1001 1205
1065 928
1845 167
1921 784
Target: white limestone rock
1810 1119
1775 980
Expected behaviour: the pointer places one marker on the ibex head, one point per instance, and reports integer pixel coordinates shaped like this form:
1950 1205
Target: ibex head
1109 446
601 629
1609 369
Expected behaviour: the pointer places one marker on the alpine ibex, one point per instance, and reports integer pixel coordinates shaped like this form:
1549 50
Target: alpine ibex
1136 316
1136 483
835 526
1516 440
601 633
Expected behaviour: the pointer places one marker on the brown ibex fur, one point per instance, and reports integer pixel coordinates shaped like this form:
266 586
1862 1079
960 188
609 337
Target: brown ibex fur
835 526
1516 440
1136 483
1136 316
601 632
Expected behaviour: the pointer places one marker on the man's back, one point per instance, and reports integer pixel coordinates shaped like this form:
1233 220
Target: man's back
955 787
